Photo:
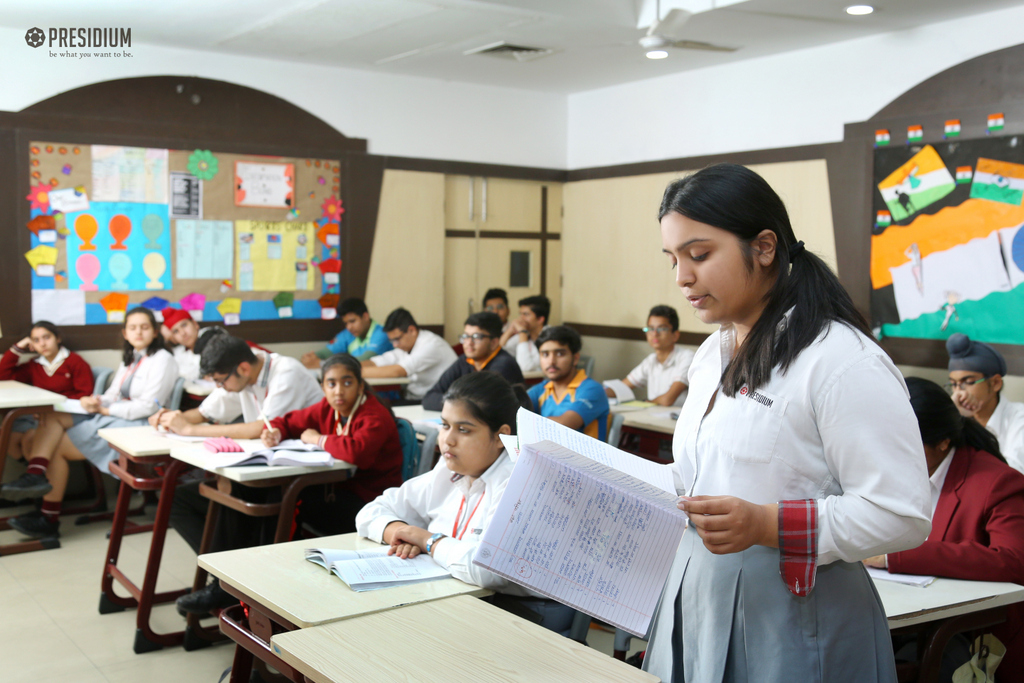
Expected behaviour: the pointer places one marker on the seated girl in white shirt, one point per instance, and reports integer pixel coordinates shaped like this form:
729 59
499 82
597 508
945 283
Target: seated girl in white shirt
143 382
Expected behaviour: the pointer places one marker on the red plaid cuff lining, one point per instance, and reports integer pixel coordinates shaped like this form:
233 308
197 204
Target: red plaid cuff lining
798 544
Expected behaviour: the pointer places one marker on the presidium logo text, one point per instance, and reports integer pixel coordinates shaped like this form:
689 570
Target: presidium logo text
102 42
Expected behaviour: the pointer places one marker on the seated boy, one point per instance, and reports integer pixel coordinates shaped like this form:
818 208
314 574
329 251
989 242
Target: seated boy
568 396
520 337
664 371
418 354
362 337
183 332
496 301
479 339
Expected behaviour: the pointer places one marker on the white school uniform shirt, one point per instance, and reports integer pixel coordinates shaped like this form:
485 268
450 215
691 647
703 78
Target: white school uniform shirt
837 427
1007 423
526 353
282 386
430 357
188 362
459 510
659 377
152 384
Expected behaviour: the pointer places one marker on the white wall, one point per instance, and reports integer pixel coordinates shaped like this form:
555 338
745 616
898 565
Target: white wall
398 115
796 98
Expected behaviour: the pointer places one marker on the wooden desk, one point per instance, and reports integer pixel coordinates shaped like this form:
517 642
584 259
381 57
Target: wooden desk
199 387
285 591
533 377
644 430
460 638
22 399
416 413
387 382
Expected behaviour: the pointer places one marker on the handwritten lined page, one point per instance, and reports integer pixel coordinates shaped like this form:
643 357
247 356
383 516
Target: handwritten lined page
585 534
532 428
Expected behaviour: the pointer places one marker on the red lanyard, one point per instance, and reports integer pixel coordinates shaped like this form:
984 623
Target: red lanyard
455 527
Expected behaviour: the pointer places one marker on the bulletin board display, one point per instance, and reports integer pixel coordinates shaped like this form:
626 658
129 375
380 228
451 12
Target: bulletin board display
947 245
229 237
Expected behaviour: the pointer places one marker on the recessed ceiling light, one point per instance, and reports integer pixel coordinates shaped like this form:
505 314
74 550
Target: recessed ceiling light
859 10
657 54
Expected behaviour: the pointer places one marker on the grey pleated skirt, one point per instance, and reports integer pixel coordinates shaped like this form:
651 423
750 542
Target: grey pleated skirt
96 450
731 618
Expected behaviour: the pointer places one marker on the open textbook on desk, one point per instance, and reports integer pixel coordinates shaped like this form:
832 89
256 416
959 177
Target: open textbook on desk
584 533
367 570
290 452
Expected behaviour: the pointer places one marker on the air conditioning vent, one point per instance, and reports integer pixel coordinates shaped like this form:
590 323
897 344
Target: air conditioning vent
503 50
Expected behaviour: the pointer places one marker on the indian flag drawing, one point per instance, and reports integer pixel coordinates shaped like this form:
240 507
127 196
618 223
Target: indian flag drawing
995 122
923 180
998 181
915 133
952 128
883 219
963 175
881 138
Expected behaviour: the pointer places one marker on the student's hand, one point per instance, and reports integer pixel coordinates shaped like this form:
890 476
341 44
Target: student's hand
731 525
311 360
520 326
166 334
967 406
154 419
174 421
878 561
91 404
662 400
407 541
406 551
609 392
270 437
26 345
310 436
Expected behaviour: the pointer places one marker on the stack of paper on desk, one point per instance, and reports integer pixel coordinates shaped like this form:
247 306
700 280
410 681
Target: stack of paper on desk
585 534
906 579
367 570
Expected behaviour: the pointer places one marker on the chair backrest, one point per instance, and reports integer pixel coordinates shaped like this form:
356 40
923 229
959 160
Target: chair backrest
615 428
410 448
176 393
429 435
101 379
586 363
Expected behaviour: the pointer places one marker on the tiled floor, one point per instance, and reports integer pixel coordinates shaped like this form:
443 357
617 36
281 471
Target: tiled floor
51 629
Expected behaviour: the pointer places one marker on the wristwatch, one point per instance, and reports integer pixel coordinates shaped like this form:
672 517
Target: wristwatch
432 540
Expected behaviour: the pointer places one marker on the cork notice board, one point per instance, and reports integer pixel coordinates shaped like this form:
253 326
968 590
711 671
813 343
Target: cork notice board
117 227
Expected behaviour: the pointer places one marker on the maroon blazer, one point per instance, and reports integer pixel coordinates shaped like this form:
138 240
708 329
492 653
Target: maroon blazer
978 534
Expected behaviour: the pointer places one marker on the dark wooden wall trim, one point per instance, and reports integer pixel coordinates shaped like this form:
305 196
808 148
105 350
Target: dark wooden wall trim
552 175
631 333
507 234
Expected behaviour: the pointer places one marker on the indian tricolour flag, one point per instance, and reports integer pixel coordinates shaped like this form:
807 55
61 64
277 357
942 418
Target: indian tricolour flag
915 133
963 175
952 128
998 181
881 138
883 219
995 122
921 181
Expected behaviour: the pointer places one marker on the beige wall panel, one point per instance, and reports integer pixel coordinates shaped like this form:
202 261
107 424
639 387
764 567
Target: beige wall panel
612 263
407 265
460 211
554 280
554 207
460 284
511 205
494 264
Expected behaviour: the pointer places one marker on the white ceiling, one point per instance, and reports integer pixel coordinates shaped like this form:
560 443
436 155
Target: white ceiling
595 40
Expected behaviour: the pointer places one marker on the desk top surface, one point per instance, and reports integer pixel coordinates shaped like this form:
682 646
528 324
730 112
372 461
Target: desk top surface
17 395
138 441
656 419
386 381
282 580
909 605
416 413
459 638
195 454
199 387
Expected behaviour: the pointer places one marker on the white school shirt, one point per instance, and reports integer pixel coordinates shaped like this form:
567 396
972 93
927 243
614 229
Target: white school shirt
430 357
431 501
188 361
938 478
526 353
659 377
152 384
282 386
837 427
1007 423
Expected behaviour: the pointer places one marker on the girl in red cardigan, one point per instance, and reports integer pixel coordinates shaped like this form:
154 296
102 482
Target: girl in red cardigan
40 360
352 425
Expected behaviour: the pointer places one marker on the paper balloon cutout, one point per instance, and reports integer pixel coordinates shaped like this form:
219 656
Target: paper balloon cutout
41 223
120 227
332 209
40 197
152 228
86 228
120 267
88 267
202 164
154 266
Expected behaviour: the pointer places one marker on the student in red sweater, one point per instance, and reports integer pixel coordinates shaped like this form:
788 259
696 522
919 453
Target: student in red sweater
977 518
352 425
40 360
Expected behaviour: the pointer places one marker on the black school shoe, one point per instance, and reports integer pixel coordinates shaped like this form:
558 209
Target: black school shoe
205 600
34 525
27 485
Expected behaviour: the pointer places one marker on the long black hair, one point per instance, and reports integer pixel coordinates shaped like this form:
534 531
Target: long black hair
939 419
489 398
128 353
734 198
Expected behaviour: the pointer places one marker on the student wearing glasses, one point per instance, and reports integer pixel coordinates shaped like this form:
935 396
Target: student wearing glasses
482 351
418 354
496 301
664 371
976 372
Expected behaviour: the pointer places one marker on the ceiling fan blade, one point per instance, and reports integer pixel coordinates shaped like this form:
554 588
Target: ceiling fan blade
672 24
697 45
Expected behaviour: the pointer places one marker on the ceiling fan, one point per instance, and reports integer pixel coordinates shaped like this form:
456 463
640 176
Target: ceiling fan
663 33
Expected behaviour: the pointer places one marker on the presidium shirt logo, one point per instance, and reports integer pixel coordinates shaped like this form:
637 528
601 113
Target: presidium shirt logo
756 396
80 37
35 37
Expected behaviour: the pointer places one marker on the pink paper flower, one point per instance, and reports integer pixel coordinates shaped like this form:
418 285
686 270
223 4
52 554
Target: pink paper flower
332 209
40 197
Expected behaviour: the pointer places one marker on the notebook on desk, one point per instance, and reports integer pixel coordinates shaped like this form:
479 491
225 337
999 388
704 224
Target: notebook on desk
290 452
367 570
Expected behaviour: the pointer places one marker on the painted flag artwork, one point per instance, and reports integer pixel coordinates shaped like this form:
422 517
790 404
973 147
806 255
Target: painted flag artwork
952 129
915 134
919 182
998 181
963 175
1012 242
995 123
883 219
881 138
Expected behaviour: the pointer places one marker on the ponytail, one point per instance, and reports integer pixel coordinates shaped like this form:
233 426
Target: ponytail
734 198
939 419
979 438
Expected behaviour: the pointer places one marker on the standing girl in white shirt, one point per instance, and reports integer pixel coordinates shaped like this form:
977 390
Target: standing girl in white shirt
797 449
143 382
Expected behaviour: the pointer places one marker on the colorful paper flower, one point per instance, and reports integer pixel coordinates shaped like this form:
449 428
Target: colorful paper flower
40 197
202 164
332 209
